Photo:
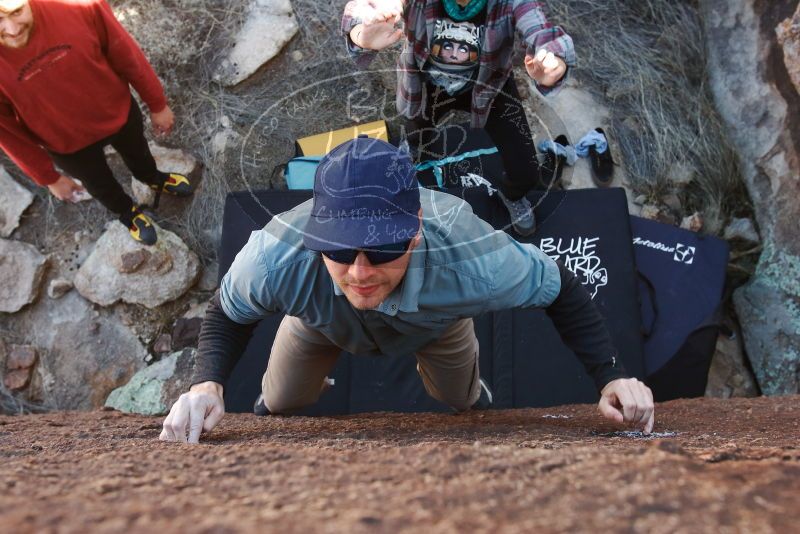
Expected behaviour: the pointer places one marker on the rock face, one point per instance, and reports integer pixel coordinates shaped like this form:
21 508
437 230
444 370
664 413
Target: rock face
788 33
269 26
729 376
21 271
153 390
14 200
756 98
83 353
121 269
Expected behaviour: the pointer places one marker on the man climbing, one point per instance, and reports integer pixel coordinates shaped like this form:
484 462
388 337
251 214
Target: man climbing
375 265
65 72
432 80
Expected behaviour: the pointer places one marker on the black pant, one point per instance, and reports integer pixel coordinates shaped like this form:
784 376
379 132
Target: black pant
89 164
506 125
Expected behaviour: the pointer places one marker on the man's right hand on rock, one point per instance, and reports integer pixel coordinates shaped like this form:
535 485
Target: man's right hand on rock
198 410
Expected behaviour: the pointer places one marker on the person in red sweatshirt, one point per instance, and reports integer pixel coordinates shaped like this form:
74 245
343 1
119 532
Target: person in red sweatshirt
66 67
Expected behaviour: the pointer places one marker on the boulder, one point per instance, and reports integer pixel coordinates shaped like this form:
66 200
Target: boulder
119 269
755 96
22 268
84 353
269 25
153 390
14 200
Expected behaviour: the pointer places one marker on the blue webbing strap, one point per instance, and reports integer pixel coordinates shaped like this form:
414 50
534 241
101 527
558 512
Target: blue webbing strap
437 165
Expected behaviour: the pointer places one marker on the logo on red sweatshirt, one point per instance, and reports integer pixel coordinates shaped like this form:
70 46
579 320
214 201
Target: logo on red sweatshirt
43 61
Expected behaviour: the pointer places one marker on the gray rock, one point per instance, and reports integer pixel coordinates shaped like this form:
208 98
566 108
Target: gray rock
142 193
682 173
649 211
196 310
186 332
269 25
208 280
672 202
153 390
21 357
19 367
58 288
14 200
83 354
771 321
162 344
22 268
743 230
169 269
729 376
747 88
693 222
18 379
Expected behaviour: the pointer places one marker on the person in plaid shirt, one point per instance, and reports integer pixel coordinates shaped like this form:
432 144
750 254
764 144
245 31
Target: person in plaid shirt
457 54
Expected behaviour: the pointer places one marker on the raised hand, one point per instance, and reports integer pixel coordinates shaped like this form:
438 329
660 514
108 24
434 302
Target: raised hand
545 68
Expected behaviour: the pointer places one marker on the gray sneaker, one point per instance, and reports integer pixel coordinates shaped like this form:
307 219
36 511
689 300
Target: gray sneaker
522 217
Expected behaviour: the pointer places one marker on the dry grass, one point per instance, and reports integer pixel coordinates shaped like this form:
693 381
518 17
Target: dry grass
11 405
647 61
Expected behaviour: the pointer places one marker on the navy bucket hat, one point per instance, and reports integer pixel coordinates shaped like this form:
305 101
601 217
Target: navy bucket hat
366 195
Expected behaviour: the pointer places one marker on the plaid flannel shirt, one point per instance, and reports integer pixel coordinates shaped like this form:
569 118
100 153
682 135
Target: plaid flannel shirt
503 17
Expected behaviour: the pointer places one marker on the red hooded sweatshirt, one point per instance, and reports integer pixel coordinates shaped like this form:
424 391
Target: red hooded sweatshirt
69 86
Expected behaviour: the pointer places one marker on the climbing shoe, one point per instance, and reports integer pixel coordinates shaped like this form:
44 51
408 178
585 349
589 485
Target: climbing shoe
175 184
521 213
140 226
259 408
602 164
485 400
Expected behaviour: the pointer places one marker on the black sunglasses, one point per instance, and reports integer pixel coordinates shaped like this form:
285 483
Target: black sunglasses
376 255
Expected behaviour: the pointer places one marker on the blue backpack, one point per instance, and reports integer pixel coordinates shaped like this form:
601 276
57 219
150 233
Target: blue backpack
300 172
